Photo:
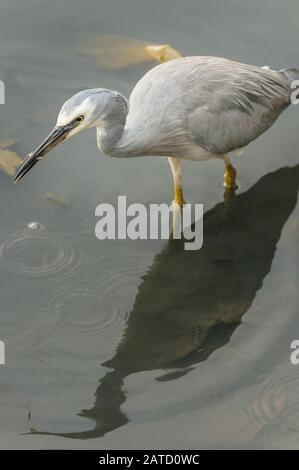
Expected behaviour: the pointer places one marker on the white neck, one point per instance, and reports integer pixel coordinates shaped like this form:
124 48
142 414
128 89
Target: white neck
113 136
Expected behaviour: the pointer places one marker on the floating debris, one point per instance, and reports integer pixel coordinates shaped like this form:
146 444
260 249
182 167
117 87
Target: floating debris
162 53
60 201
119 51
9 160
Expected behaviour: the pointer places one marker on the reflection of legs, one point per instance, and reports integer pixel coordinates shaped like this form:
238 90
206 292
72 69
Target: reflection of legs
230 174
176 168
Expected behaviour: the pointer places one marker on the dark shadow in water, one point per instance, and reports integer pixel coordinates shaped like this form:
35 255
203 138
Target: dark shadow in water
190 302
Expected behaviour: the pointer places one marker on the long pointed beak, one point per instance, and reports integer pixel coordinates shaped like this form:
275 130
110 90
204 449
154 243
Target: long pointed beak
57 135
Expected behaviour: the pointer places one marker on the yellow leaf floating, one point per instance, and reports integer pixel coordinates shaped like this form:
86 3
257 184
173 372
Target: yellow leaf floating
118 52
162 53
9 160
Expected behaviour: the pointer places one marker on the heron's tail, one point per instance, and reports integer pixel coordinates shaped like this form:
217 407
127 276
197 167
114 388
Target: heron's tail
290 74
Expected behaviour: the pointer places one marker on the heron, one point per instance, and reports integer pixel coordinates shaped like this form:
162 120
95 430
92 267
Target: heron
189 108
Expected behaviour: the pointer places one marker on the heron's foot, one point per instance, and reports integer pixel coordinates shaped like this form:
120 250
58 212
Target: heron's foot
230 178
179 197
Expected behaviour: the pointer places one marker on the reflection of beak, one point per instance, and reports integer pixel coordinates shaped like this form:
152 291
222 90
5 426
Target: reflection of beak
58 134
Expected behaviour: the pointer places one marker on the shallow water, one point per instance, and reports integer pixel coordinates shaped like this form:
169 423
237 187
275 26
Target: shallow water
126 344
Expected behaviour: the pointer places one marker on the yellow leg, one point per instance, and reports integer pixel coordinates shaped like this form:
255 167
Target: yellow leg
176 169
230 175
178 195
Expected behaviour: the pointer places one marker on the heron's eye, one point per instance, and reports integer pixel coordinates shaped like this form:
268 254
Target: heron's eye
79 118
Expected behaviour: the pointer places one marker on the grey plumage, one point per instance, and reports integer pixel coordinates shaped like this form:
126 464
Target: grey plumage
192 108
216 104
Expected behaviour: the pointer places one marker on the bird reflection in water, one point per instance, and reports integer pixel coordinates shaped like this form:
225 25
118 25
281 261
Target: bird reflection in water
190 302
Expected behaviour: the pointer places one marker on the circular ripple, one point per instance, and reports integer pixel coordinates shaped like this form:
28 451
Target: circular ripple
99 302
37 254
82 286
277 400
86 312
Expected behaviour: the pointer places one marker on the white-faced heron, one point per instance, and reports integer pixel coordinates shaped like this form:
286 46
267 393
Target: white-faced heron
193 108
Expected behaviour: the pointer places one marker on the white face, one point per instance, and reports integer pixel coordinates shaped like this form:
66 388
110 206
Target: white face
85 107
88 108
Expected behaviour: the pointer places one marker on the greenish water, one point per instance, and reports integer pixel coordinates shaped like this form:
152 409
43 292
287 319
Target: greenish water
144 345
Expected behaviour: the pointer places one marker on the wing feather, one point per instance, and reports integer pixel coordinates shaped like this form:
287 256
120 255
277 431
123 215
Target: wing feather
214 103
234 103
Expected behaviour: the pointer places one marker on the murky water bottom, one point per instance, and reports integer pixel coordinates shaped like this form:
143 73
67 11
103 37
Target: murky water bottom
122 344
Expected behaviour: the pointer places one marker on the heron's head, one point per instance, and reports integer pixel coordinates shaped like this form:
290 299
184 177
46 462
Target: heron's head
86 109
